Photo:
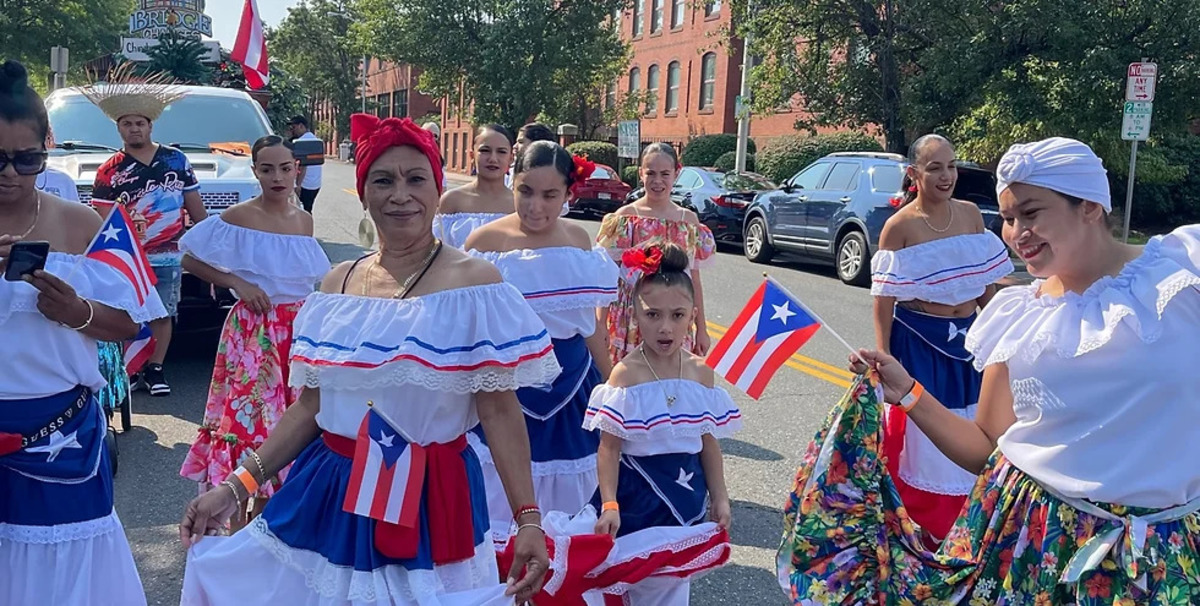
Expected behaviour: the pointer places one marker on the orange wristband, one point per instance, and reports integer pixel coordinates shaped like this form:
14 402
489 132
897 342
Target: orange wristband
912 397
247 479
610 506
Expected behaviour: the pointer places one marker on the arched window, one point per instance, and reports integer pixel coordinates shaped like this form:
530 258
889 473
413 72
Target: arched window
708 80
652 90
673 87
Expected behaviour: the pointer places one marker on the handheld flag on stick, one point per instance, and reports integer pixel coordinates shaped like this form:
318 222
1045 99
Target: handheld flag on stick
772 326
139 350
387 474
116 245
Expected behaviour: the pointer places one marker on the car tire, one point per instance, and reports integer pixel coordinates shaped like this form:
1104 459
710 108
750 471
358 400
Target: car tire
756 244
852 259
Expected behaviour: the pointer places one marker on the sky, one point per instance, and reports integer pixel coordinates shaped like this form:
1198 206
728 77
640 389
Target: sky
227 15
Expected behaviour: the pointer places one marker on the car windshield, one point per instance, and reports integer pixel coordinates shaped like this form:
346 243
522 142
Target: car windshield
742 181
601 173
194 120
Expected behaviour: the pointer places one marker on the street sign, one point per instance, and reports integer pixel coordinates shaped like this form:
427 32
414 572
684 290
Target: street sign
134 49
1140 79
629 139
1135 124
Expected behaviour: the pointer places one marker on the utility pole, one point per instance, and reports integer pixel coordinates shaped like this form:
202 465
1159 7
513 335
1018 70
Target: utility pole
59 61
364 84
743 108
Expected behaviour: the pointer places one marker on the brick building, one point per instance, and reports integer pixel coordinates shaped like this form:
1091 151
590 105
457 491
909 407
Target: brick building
391 91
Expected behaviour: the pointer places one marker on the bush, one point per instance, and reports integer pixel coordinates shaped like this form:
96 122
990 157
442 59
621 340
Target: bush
630 176
596 151
706 149
1161 207
787 155
728 162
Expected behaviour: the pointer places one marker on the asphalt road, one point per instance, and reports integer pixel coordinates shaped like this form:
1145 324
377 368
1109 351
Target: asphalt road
760 461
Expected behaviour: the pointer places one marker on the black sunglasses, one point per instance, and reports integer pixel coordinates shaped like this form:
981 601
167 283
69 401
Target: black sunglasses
25 163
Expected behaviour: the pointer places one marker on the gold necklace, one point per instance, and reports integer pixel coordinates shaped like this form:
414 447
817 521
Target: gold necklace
670 398
925 218
37 212
410 281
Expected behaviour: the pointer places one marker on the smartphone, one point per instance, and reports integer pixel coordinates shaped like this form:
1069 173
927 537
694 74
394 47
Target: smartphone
25 258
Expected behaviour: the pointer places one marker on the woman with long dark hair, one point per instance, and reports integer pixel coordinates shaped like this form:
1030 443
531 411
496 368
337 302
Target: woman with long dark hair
467 208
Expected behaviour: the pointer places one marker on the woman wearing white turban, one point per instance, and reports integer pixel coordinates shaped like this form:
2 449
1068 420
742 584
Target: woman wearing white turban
1084 438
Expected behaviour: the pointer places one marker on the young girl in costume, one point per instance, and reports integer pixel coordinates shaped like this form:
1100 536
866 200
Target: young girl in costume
565 279
660 415
937 265
467 208
264 251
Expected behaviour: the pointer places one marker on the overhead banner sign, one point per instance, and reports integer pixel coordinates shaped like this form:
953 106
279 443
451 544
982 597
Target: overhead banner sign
154 18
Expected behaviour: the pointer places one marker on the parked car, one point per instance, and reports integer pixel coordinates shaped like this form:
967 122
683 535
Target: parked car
602 193
834 209
213 126
719 199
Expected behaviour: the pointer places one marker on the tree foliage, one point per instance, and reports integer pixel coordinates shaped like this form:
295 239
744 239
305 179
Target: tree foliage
314 44
514 59
179 57
89 28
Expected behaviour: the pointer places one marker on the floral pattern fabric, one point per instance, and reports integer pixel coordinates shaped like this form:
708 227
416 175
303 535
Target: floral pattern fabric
619 233
112 367
848 540
248 394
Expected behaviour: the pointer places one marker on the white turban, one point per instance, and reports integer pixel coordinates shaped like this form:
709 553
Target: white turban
1062 165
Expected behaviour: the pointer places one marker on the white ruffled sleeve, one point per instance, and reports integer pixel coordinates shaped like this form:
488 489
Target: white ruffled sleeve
641 413
263 255
464 340
104 284
949 271
558 278
1021 324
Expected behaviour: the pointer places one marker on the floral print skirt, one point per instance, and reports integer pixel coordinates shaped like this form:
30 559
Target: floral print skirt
848 539
248 394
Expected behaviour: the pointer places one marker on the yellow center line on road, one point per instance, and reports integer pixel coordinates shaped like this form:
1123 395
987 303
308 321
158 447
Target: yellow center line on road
350 191
806 365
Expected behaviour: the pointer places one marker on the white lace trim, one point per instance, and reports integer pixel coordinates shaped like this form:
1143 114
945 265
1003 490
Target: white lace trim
92 280
1020 324
537 372
60 533
560 467
382 584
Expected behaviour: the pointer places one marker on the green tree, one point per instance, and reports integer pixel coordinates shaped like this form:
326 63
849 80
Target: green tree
314 44
89 28
514 59
179 57
845 59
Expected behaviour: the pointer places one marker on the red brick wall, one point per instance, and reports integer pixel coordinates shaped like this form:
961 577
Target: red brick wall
383 78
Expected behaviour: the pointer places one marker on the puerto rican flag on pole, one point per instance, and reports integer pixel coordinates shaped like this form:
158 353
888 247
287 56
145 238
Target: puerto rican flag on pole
387 475
250 49
115 245
771 327
138 351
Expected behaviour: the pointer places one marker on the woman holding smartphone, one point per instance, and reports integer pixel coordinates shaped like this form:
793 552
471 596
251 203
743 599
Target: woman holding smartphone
60 539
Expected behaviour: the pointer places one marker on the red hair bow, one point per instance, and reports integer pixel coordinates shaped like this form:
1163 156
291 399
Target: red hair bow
647 259
582 172
375 136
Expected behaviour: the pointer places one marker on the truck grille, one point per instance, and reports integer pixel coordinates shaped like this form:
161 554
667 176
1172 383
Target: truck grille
213 200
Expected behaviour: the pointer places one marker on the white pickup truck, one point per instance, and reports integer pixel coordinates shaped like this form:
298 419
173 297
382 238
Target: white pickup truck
206 117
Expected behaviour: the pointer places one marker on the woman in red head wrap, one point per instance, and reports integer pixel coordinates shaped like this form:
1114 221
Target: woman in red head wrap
402 353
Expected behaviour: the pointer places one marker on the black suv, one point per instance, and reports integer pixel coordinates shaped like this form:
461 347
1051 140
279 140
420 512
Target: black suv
834 210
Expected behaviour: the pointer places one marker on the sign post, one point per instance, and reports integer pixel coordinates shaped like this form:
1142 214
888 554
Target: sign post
59 62
629 139
1140 82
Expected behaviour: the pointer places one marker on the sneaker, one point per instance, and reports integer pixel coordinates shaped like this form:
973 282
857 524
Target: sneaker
136 382
156 381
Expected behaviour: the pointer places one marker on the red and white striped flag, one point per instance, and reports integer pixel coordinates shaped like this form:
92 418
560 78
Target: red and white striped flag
387 475
251 47
116 245
138 351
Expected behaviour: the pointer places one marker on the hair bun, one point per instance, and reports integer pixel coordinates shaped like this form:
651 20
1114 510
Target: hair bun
14 79
674 259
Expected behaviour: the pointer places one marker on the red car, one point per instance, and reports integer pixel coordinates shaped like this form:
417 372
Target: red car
603 193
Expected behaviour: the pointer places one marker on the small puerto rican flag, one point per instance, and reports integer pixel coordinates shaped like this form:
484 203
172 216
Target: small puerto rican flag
771 327
387 475
115 245
137 351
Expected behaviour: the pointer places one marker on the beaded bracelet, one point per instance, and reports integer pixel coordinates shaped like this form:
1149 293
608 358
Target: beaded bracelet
262 470
230 485
526 510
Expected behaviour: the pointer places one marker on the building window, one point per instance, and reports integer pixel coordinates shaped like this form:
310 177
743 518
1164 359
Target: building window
400 104
637 18
383 105
712 7
708 80
635 77
454 155
652 90
673 87
656 16
610 96
678 11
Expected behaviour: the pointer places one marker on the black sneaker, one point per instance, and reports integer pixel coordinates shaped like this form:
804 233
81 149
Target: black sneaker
136 382
156 381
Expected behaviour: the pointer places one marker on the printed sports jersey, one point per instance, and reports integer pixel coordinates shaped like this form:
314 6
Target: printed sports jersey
153 196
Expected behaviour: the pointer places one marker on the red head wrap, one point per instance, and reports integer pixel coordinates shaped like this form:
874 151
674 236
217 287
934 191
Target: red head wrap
375 136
